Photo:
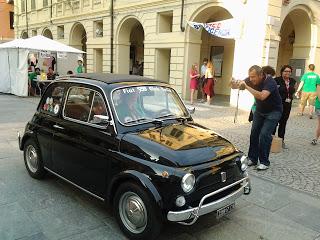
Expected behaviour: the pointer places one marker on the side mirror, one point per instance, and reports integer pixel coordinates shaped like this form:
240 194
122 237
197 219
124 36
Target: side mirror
191 110
100 119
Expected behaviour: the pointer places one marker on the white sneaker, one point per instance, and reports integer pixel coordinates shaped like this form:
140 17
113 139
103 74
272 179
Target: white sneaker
262 167
250 163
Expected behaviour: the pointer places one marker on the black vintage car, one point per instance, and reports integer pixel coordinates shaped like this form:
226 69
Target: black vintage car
131 142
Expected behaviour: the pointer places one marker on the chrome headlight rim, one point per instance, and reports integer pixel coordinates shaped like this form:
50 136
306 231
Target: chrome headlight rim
243 163
190 177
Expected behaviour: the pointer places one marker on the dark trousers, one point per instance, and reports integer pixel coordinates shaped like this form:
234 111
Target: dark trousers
263 125
283 120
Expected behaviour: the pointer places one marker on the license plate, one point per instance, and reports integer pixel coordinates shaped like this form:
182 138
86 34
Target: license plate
225 210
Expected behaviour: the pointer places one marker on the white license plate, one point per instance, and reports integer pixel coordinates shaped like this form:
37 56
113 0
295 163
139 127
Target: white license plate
225 210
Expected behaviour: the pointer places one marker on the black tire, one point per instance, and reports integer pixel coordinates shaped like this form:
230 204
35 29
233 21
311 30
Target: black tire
33 160
149 229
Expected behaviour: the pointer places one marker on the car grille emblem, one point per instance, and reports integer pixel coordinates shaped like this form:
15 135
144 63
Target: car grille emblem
223 176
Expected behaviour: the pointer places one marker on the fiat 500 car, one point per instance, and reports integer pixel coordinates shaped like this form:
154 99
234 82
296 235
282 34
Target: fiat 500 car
131 142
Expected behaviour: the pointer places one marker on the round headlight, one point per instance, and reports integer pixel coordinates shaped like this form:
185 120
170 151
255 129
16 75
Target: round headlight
180 201
244 163
187 182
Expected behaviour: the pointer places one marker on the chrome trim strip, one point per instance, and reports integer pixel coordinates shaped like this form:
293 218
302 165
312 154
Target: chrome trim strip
92 194
195 213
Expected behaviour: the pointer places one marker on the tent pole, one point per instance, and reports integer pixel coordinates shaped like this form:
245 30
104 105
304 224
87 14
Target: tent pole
9 68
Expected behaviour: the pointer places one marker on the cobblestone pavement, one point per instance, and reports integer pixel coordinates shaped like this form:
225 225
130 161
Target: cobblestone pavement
52 209
297 167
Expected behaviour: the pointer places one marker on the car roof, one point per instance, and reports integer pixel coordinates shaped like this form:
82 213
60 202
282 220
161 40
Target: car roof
109 78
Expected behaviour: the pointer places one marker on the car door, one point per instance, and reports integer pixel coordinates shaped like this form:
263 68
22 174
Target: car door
81 148
48 113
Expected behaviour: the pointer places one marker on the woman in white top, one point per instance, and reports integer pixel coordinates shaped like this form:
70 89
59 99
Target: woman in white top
209 85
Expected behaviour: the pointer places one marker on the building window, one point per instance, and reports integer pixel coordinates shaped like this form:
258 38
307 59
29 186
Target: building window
60 32
11 19
165 20
45 3
33 4
98 28
23 6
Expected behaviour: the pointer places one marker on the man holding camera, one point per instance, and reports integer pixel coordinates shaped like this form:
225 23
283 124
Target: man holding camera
265 118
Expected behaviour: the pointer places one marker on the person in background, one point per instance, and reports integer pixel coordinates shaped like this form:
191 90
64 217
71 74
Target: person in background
265 118
308 86
287 87
51 75
202 80
194 75
80 68
33 85
317 111
208 88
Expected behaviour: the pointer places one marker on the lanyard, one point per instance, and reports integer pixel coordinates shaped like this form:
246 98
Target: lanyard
287 86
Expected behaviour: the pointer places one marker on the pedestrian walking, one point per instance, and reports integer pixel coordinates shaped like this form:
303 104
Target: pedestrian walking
267 114
80 68
194 75
209 82
308 87
317 111
287 87
202 80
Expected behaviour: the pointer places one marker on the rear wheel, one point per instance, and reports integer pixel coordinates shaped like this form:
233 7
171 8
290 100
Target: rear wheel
136 212
33 160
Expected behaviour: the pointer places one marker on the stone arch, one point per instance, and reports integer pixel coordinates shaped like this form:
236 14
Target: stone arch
24 35
47 33
203 45
297 41
78 39
129 45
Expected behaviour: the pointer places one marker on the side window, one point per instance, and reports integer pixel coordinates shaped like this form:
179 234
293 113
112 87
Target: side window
52 101
98 107
78 104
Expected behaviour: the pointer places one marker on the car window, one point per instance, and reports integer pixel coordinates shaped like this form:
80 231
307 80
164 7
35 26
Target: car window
78 104
139 104
98 107
52 101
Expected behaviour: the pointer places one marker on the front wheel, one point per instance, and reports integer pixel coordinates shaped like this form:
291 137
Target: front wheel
136 212
33 160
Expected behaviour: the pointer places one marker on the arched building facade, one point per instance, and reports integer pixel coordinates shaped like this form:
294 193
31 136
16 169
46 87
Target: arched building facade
156 37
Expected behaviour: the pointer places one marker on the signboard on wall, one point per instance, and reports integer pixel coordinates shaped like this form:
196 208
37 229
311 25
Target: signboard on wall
216 56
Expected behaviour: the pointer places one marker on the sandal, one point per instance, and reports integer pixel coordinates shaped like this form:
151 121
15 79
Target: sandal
314 142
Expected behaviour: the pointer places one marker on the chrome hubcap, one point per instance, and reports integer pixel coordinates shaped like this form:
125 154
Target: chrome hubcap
133 212
32 158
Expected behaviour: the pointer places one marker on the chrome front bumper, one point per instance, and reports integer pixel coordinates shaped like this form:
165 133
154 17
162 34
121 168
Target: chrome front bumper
194 213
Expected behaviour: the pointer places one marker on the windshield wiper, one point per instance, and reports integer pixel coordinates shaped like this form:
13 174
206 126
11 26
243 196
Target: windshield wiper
179 118
149 120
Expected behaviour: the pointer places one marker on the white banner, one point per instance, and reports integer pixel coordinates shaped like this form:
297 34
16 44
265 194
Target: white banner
229 28
45 54
61 55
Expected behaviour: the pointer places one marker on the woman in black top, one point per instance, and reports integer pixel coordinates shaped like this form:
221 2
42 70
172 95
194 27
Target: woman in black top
287 87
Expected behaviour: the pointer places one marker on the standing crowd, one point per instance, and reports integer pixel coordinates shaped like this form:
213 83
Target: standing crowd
273 99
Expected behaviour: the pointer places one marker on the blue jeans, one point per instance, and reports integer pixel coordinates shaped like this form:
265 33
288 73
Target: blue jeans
261 136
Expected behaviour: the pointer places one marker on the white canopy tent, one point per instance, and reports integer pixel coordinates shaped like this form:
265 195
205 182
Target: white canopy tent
14 61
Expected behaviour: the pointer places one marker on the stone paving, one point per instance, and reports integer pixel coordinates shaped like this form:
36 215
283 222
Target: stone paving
51 209
297 167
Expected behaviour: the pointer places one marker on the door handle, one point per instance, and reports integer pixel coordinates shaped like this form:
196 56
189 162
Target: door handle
58 127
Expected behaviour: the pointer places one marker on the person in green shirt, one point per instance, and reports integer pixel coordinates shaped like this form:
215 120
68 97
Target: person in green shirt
80 68
317 107
308 87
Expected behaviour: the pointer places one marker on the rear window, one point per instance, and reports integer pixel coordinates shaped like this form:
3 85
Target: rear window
52 101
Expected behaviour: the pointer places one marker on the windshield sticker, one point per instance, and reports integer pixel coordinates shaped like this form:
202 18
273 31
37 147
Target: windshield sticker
56 109
144 89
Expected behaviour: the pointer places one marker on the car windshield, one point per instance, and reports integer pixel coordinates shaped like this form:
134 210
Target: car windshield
142 104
